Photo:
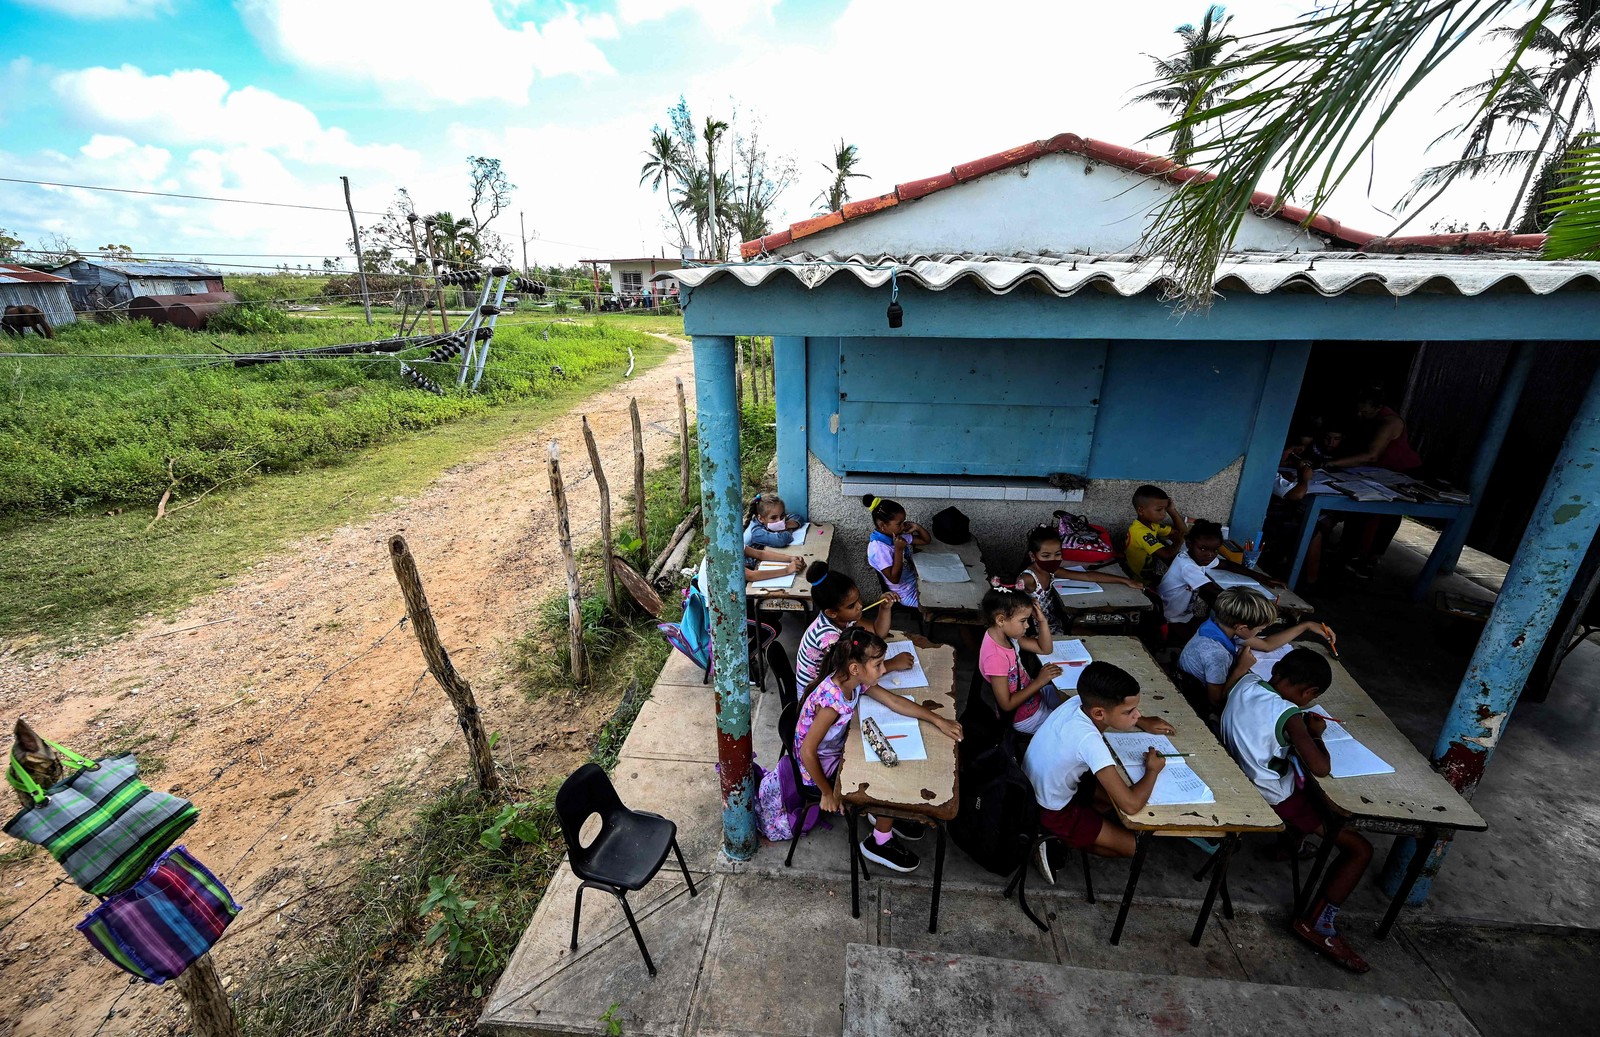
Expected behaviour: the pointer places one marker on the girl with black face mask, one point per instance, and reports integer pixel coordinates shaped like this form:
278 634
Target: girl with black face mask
1041 566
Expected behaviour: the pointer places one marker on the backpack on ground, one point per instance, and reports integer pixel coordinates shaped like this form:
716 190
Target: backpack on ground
996 811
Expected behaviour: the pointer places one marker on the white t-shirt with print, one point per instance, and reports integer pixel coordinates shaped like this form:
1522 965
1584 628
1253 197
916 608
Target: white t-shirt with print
1063 750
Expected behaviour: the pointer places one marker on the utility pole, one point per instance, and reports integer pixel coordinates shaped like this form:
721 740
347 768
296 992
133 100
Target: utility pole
522 223
361 263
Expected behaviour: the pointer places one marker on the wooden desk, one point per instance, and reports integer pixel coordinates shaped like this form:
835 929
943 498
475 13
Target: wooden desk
797 596
1414 801
955 602
1114 604
916 790
1238 810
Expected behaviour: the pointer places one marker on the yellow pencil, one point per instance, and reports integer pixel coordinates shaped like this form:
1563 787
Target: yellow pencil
875 604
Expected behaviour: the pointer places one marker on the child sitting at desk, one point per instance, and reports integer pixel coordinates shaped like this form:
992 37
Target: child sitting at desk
1028 700
1070 745
1156 534
1263 723
889 547
1223 648
1188 580
754 556
1044 564
839 608
767 523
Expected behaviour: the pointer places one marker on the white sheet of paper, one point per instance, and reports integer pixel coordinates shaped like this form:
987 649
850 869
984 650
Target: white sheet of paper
904 733
1347 757
1068 588
896 680
939 567
1265 661
800 535
777 582
1177 782
1072 657
1224 578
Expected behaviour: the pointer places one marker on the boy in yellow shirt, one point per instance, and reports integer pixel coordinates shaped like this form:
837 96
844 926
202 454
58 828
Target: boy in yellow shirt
1157 531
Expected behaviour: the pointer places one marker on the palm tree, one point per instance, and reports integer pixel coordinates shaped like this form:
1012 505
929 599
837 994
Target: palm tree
836 194
713 131
1196 79
1309 98
453 240
662 162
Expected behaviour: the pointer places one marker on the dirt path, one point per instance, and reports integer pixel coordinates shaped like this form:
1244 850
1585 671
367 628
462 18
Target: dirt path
305 699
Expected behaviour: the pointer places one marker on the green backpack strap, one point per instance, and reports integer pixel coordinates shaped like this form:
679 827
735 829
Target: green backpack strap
23 782
76 760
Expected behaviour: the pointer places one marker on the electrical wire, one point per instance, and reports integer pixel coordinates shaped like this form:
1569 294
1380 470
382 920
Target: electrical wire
190 197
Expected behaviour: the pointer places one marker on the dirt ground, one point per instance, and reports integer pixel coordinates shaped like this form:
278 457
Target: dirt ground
301 698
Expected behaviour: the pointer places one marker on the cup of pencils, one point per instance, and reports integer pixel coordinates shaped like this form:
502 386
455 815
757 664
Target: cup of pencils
1252 552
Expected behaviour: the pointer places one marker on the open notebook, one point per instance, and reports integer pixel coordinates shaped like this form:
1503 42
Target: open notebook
1072 657
1348 757
1177 782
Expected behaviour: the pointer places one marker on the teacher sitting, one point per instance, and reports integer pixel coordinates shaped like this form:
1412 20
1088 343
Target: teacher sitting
1383 431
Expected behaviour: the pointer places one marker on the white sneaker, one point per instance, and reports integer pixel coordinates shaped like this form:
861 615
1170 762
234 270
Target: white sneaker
1041 863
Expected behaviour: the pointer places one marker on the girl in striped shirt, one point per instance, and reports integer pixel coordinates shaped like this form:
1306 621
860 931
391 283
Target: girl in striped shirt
839 607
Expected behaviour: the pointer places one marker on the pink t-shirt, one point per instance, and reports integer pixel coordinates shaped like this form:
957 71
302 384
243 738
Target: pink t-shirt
996 660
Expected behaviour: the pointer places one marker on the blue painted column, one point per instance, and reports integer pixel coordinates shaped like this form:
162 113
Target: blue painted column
789 386
1563 525
720 496
1280 390
1513 379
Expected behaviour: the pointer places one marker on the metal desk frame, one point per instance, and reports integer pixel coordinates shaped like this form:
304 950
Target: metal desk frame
1318 503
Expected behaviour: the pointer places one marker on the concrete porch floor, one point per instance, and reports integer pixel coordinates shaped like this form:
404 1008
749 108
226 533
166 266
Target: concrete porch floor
1506 938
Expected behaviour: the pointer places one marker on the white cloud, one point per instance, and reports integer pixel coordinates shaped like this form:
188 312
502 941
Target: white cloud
143 161
104 9
421 52
197 106
716 14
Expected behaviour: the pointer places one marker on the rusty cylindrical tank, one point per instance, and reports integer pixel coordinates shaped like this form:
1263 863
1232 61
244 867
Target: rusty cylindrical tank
190 312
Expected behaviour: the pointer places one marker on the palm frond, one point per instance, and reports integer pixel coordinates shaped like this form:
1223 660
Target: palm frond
1574 233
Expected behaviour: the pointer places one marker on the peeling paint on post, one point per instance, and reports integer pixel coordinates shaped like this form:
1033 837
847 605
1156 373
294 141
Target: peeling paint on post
720 493
1535 586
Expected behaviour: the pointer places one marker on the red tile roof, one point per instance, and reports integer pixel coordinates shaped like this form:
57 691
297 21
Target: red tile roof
1139 162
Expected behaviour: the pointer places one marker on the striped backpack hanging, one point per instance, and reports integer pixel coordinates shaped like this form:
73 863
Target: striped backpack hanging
101 823
157 927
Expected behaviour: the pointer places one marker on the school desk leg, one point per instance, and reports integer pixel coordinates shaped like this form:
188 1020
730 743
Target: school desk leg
1330 835
938 877
1141 845
1413 872
855 875
1219 875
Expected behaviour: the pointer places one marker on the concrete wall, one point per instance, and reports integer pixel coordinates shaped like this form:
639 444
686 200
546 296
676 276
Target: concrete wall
1001 527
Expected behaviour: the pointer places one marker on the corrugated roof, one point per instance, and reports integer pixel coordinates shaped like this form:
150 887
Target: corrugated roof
13 274
151 268
1263 202
1326 273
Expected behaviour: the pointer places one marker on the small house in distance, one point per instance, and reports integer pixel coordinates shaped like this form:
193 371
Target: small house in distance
630 277
25 286
101 284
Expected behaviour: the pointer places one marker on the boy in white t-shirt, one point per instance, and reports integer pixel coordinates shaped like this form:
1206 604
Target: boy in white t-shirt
1263 723
1187 584
1070 744
1223 648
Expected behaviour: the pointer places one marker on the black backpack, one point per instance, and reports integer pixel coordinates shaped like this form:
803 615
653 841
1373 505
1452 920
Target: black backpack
997 810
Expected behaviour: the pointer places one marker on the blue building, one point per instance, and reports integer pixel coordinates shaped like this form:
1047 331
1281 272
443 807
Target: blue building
1033 340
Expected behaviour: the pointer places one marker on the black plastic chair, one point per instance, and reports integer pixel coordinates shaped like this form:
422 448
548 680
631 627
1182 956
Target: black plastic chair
627 853
810 795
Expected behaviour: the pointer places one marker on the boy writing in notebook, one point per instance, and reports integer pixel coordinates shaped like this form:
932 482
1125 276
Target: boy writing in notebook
1156 533
1071 744
1264 723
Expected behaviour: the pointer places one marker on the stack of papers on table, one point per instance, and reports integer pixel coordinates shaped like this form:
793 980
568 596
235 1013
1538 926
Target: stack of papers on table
904 733
1177 782
777 582
937 567
1349 758
1067 588
1223 578
1072 657
899 679
1365 490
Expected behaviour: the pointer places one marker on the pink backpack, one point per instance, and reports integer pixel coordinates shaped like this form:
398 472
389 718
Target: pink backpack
1082 542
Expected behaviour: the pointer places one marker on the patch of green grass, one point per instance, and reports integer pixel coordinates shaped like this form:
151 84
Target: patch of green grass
91 575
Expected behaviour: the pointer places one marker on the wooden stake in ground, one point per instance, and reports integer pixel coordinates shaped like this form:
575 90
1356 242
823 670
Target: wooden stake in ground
454 685
683 449
605 512
738 377
755 372
558 493
639 524
210 1014
361 263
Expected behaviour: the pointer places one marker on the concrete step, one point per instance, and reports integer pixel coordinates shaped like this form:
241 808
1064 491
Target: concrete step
889 992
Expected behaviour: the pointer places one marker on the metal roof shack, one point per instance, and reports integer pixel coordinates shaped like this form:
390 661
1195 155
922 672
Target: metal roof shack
988 335
25 286
107 284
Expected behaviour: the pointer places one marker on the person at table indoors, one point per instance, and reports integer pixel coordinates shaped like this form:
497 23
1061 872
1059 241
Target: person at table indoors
1070 745
1027 700
1285 512
889 547
1263 724
839 608
851 668
767 523
1387 446
1188 584
1044 564
1224 647
1155 535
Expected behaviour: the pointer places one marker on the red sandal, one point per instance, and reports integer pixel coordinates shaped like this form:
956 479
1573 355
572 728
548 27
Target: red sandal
1331 947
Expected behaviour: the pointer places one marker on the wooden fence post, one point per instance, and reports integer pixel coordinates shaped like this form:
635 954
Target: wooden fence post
683 449
558 492
641 527
605 513
755 372
210 1013
460 692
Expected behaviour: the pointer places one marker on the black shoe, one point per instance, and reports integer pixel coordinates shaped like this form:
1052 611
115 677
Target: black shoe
891 854
910 831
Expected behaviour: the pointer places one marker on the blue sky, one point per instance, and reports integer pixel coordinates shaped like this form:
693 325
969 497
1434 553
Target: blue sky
275 99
